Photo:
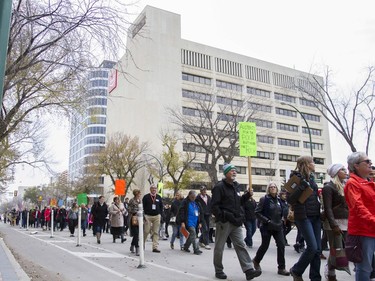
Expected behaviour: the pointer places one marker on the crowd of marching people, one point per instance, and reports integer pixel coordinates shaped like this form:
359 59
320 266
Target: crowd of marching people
341 213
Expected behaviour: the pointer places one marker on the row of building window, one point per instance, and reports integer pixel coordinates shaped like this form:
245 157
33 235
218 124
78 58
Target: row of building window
98 74
311 117
94 140
265 139
286 127
316 132
96 111
250 90
286 112
96 120
259 107
98 83
315 146
97 92
225 66
285 98
229 86
259 122
258 92
196 95
229 101
288 142
97 101
196 79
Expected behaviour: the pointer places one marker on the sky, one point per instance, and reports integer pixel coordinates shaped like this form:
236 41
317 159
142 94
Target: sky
305 35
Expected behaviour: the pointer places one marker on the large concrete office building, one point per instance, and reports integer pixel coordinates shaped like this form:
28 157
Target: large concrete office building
161 70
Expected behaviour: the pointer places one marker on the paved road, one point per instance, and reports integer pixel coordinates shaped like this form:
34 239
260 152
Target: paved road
108 261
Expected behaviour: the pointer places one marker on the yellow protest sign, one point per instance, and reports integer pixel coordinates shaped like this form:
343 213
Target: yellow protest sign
248 139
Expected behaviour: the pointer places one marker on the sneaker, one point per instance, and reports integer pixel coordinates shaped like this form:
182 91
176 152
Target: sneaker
295 277
172 246
283 272
252 273
197 252
186 250
220 275
256 265
156 251
207 247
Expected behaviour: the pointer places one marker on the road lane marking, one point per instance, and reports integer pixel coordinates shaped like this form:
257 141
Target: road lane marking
83 257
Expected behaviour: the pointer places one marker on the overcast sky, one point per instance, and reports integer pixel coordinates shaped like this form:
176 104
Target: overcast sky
306 35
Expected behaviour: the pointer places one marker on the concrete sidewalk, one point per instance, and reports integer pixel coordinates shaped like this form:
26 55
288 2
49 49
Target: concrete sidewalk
10 270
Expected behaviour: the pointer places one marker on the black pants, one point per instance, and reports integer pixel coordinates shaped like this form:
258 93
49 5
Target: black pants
135 233
280 244
72 225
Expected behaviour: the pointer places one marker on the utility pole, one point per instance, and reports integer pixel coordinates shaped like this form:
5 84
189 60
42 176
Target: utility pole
5 13
307 125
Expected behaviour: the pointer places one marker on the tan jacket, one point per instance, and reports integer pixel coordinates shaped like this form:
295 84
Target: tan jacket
116 215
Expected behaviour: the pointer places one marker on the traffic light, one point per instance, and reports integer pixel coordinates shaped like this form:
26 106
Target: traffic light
15 193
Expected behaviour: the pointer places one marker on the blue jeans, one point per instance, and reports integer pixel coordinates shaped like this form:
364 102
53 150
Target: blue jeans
363 269
251 227
176 230
205 229
310 229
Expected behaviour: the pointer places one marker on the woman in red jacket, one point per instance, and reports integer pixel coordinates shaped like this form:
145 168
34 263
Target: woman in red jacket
360 196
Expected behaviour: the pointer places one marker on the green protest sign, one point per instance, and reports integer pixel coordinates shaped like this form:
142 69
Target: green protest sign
82 198
248 139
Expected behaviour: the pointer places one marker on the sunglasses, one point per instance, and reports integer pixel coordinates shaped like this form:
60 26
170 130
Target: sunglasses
368 162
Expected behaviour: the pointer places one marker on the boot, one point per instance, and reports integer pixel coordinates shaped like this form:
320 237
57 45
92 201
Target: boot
98 238
137 251
132 249
114 239
122 238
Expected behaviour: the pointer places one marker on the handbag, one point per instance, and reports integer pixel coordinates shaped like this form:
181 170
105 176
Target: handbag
337 255
353 248
134 220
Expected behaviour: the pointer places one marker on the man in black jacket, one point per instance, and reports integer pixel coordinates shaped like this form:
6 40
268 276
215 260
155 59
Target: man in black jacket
226 207
153 209
205 202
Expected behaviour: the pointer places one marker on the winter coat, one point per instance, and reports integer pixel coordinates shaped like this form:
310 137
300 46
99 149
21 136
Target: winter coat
334 203
117 213
309 208
99 213
226 202
360 195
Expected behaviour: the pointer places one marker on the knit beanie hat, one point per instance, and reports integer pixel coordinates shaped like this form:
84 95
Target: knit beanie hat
333 169
227 168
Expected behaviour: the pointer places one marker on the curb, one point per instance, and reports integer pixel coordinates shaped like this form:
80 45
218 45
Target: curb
20 273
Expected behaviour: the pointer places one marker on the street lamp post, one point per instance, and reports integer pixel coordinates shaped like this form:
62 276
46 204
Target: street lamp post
160 164
307 125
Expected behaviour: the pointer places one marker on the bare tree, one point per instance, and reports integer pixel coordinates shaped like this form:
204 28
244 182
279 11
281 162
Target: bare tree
51 45
212 126
121 158
351 114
